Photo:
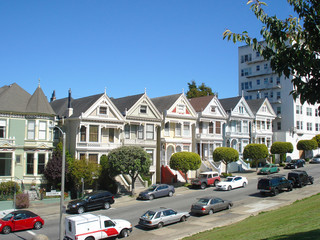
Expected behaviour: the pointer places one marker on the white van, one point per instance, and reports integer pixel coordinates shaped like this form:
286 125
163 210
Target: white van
91 227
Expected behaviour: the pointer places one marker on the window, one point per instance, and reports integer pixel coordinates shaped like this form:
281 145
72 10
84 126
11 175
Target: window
150 131
316 112
30 163
178 129
246 58
111 135
181 108
5 164
143 109
258 68
18 159
213 109
258 81
167 129
317 127
186 129
41 163
264 109
278 125
93 133
241 109
186 148
271 94
218 127
103 110
82 156
309 126
265 81
200 127
2 128
246 85
93 158
266 95
242 86
108 223
245 127
31 129
278 80
278 95
268 124
178 149
83 135
246 72
309 111
265 66
211 127
271 79
127 131
257 54
238 126
42 130
150 152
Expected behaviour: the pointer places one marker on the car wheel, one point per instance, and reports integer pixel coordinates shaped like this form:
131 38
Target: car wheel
160 225
6 230
81 210
89 238
278 170
203 186
37 225
151 197
216 182
290 188
229 188
183 219
268 172
229 206
311 182
170 194
275 191
244 185
124 233
106 205
210 212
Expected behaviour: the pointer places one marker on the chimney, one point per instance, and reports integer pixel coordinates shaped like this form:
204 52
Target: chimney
53 97
70 109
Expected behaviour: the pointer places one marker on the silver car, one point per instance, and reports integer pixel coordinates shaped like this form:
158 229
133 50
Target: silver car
157 190
209 205
162 216
315 159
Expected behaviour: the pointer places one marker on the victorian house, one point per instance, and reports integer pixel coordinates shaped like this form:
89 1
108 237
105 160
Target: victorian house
93 125
261 130
239 123
25 135
210 125
142 127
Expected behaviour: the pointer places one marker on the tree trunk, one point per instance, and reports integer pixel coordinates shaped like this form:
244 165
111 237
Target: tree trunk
133 178
186 174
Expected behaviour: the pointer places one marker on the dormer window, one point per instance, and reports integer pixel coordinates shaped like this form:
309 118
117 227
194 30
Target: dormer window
143 109
213 109
181 108
241 110
103 110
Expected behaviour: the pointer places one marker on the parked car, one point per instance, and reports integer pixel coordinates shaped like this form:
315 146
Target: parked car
157 190
209 205
295 163
315 159
232 182
274 184
20 220
94 200
206 179
269 168
300 178
162 216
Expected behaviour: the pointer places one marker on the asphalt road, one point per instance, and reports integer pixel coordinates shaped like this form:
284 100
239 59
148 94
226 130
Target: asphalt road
246 201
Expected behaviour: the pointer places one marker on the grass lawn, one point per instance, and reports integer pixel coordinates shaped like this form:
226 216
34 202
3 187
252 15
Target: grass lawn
300 220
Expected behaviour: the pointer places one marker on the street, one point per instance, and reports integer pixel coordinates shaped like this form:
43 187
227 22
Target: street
246 201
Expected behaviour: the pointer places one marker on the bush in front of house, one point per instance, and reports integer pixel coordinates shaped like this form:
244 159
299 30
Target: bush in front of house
7 189
22 200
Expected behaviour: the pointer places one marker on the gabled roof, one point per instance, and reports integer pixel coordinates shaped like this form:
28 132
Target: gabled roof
200 103
125 103
255 104
165 102
230 103
38 103
60 106
15 99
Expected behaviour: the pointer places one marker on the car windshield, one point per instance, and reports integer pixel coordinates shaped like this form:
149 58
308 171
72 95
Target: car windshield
152 187
149 215
229 179
85 197
7 217
203 201
203 175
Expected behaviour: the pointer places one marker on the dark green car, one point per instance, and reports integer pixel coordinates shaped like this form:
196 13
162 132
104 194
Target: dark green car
269 168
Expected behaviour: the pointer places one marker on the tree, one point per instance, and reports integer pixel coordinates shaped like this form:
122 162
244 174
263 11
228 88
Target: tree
129 160
106 182
317 139
281 148
199 91
84 169
226 155
52 170
185 161
256 152
307 145
293 49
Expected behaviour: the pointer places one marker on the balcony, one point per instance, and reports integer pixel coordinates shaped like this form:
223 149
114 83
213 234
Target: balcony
7 142
97 146
140 142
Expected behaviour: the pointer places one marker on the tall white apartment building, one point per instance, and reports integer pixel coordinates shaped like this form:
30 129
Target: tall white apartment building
294 121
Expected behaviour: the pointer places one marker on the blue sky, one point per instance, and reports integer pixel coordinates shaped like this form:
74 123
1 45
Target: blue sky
124 46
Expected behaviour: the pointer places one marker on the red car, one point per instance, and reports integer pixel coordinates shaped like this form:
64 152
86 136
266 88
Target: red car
20 220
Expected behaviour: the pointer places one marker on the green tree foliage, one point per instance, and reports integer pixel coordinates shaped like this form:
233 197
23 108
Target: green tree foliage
281 148
317 139
106 182
293 49
307 145
185 161
129 160
84 169
198 91
256 152
226 155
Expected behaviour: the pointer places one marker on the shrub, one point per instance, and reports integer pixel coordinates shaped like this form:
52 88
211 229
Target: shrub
7 189
22 200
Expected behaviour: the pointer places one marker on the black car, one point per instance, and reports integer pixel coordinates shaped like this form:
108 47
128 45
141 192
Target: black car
94 200
300 178
274 184
295 163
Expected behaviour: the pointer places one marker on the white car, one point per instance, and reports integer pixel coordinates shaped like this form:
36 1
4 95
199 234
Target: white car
232 182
